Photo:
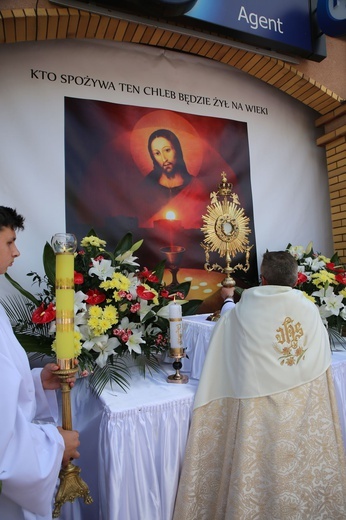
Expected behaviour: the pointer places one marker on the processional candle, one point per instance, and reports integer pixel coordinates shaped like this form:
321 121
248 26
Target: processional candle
175 330
64 246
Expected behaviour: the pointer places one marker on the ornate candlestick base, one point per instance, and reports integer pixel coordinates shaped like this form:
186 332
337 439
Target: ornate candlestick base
71 484
177 365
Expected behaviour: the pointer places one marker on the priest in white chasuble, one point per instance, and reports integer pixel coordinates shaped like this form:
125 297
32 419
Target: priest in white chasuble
265 441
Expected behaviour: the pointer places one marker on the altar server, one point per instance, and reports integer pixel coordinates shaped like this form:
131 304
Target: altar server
265 440
31 453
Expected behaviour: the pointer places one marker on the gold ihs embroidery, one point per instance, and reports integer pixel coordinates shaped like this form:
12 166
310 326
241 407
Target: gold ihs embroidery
290 342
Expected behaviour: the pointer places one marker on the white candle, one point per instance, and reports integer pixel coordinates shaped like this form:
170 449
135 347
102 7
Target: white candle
175 326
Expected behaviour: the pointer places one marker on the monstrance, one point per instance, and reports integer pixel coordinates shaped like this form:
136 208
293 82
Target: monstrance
226 231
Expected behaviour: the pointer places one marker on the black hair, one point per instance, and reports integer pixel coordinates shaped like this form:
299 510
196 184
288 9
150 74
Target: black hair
10 218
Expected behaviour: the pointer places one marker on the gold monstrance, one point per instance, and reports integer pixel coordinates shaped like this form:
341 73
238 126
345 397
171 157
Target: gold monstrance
226 231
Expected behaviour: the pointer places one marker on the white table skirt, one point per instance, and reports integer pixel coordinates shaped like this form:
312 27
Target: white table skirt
132 451
143 435
196 336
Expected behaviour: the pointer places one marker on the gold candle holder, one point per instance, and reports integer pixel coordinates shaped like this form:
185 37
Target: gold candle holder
177 354
71 485
64 245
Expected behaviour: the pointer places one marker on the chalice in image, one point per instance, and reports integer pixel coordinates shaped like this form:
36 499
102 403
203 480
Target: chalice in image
174 256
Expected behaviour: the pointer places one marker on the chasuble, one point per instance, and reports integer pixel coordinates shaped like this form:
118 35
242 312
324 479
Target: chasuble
265 440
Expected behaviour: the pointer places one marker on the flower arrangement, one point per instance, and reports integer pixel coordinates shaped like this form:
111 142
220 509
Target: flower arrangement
121 310
323 281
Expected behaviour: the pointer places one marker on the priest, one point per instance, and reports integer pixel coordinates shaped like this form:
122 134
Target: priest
265 440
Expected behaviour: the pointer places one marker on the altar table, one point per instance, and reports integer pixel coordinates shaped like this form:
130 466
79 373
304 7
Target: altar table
133 443
132 447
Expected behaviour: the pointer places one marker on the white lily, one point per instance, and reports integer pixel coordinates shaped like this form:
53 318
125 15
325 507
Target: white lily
144 309
102 268
126 324
153 331
308 248
79 301
85 332
322 293
52 327
334 303
134 342
104 345
324 313
314 263
127 258
80 319
297 251
331 302
134 282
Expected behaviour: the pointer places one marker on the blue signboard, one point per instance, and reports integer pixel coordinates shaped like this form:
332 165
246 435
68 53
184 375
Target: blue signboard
284 21
331 16
279 25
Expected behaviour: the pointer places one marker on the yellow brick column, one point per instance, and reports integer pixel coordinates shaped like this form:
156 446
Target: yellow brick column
334 141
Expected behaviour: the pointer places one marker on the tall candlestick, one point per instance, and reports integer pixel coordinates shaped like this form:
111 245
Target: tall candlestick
71 485
64 246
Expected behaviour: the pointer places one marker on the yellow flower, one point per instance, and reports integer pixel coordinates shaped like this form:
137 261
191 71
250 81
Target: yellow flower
103 319
95 311
309 297
104 325
324 259
118 281
322 277
93 323
343 293
77 343
93 241
110 313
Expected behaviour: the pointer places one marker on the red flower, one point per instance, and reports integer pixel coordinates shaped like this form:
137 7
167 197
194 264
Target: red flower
44 314
331 267
341 278
144 293
302 278
165 294
78 278
95 297
148 275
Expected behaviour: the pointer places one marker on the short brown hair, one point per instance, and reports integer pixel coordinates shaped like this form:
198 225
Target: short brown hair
279 268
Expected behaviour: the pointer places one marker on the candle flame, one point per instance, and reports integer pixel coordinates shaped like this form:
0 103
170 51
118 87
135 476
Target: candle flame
170 215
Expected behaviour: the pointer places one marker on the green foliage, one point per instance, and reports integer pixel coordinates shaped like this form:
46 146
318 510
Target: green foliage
119 315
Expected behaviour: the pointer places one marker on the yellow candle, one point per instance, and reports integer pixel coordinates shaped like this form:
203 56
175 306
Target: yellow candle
64 291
